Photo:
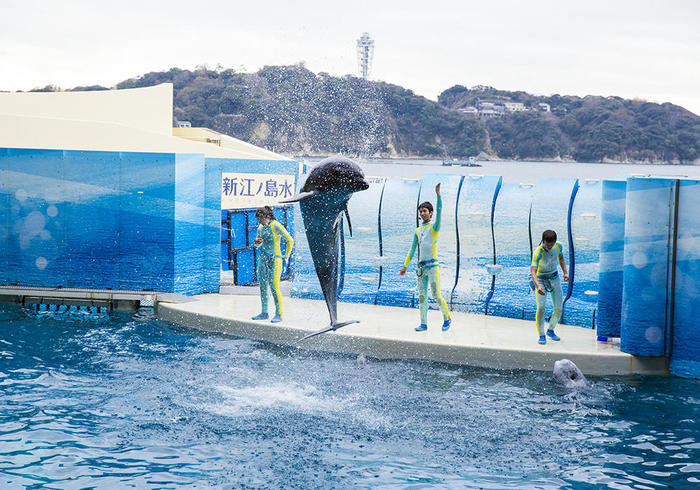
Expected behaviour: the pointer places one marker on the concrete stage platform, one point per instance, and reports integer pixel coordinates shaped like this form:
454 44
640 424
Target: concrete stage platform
387 333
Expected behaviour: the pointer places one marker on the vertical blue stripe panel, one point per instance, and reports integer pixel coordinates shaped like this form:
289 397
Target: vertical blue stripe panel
645 294
585 230
398 212
189 235
37 254
361 280
90 182
4 216
212 225
685 358
476 249
147 202
612 246
511 297
447 241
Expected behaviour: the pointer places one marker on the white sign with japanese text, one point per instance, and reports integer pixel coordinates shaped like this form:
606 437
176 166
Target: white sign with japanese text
254 190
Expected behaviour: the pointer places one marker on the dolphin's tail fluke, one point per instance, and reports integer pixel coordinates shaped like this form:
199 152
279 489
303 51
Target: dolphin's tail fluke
333 326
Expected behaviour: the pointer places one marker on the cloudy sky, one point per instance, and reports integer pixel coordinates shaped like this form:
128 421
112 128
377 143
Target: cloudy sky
631 48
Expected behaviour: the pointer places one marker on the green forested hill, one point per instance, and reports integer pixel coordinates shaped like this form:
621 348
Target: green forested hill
290 109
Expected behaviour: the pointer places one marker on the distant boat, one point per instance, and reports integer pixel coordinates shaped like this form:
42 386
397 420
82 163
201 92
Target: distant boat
446 161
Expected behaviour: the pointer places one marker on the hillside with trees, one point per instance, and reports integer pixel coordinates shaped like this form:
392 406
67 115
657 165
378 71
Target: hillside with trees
291 110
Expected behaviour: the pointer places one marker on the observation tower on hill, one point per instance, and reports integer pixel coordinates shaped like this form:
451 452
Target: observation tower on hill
365 51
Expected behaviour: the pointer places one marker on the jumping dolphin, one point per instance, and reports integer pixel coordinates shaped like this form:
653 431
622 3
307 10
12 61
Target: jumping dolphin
569 375
322 199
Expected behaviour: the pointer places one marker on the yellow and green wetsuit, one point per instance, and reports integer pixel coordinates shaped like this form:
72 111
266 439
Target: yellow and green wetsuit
425 241
546 263
270 258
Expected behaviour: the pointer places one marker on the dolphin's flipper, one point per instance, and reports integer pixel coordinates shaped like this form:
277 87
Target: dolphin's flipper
334 326
301 196
347 215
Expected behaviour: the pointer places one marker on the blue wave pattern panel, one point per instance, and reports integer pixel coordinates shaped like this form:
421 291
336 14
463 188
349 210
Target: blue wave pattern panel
645 295
512 297
476 245
685 357
91 216
447 242
398 215
612 246
147 206
361 279
190 236
585 230
33 191
4 216
212 224
550 210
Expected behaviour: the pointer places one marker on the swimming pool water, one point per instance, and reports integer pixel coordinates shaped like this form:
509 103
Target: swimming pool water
125 399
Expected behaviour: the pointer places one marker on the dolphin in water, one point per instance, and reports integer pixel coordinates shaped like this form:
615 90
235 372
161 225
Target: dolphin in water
569 375
323 199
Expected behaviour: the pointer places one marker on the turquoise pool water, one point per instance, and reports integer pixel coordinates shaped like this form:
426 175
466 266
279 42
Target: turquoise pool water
127 400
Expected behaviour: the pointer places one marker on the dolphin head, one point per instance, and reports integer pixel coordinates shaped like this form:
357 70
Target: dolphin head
335 174
568 374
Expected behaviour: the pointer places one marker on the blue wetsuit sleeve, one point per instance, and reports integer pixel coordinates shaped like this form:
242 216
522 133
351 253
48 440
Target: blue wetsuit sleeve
414 245
438 214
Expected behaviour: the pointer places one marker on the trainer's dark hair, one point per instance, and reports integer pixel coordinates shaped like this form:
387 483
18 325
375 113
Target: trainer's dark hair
265 212
426 205
549 236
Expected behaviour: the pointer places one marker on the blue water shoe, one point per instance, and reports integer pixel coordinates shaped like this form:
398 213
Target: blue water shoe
261 316
276 319
422 327
543 340
552 335
446 325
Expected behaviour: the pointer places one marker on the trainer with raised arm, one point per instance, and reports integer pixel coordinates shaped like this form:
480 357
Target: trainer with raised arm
424 246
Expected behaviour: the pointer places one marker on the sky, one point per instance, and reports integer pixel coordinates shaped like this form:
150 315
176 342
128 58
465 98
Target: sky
629 48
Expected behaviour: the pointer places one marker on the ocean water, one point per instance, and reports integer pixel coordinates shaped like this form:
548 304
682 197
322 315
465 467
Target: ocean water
128 401
519 172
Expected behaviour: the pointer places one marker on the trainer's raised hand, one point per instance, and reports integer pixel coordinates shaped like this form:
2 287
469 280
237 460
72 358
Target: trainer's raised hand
437 189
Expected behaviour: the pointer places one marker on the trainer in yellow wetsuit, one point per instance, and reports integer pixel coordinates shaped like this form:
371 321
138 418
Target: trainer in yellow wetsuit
428 271
545 276
270 258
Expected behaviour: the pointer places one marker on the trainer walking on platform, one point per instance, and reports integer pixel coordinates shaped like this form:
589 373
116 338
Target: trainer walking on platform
545 276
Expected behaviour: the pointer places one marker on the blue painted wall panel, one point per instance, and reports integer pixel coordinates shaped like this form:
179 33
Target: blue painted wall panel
361 278
90 212
4 216
512 297
685 357
585 230
399 212
35 240
645 294
147 203
212 225
189 234
447 241
476 246
612 248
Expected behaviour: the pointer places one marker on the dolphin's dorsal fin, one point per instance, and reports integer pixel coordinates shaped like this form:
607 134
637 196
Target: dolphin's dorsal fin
347 215
301 196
